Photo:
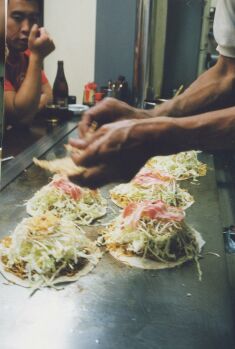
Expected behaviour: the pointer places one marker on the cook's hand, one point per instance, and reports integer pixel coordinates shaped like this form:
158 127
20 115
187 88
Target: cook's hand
114 152
40 42
107 111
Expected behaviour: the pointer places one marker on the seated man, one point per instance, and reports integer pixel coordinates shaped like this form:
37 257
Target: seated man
27 89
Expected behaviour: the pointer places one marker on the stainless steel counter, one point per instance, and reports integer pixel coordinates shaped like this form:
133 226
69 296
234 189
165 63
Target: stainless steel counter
35 145
120 307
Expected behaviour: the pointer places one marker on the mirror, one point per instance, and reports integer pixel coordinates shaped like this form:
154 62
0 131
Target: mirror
75 45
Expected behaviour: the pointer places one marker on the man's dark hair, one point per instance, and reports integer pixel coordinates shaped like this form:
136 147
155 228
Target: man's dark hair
40 2
40 6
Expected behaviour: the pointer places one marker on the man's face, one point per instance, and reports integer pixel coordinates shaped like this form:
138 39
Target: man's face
21 16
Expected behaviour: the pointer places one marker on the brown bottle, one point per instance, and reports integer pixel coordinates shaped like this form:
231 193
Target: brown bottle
60 87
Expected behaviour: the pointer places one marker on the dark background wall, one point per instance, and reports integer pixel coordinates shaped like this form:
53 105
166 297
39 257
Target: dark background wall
115 40
182 43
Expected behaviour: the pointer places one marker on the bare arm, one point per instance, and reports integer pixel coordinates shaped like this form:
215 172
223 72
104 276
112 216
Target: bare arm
22 105
209 132
213 90
118 150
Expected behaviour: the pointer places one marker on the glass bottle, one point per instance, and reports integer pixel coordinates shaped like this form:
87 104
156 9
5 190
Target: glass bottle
60 87
122 91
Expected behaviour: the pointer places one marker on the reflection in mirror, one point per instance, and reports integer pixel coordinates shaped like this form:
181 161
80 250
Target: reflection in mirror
75 45
26 88
2 59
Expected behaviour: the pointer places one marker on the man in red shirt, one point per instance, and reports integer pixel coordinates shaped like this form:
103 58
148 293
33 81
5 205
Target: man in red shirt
26 87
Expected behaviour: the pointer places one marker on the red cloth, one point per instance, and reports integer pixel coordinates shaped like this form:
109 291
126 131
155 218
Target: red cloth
15 74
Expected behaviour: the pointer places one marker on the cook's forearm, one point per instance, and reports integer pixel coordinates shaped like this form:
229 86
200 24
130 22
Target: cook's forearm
214 89
210 131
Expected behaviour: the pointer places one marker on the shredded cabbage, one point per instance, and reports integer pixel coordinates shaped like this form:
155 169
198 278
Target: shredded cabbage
181 166
45 247
170 193
90 206
158 239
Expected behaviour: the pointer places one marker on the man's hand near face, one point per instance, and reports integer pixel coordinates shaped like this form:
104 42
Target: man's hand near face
40 43
26 97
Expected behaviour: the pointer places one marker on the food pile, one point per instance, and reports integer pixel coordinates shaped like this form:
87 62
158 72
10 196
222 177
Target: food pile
150 232
45 250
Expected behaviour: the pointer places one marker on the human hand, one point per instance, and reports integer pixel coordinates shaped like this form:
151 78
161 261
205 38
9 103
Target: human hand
107 111
116 151
40 42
